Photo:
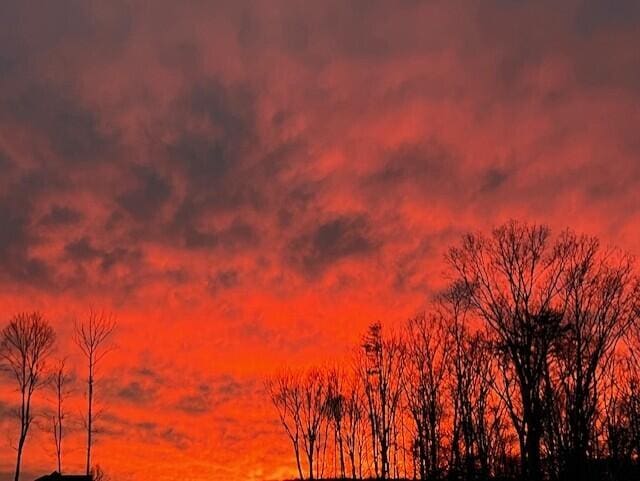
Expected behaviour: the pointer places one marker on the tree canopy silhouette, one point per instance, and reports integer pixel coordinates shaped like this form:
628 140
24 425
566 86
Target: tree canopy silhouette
525 366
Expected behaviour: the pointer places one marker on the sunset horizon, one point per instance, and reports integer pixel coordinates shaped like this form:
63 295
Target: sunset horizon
241 190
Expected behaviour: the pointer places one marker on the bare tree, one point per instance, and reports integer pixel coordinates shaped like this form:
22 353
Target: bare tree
285 392
512 280
617 391
632 398
462 381
475 435
621 395
599 294
313 391
382 371
522 352
60 382
93 338
27 342
336 407
354 427
427 362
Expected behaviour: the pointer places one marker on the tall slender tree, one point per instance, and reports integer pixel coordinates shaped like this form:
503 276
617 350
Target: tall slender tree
382 369
313 412
427 365
336 407
61 379
25 344
93 337
354 424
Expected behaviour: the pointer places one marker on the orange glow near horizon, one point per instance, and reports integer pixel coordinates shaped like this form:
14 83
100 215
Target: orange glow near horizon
249 185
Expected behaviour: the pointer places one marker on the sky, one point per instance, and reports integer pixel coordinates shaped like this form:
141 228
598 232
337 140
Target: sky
247 185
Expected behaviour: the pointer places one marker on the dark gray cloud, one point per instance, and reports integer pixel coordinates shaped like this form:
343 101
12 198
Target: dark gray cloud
46 34
17 238
431 165
72 130
493 179
61 215
175 437
345 236
237 236
145 431
224 279
297 202
196 403
595 15
83 250
145 200
226 119
208 396
137 393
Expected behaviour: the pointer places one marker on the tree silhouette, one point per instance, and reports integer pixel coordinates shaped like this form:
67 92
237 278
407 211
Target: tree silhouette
512 280
599 293
60 382
92 337
26 343
477 438
285 393
336 407
313 392
516 371
382 368
427 363
353 419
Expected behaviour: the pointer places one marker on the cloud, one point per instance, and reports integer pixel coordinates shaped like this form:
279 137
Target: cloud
16 237
72 130
61 215
194 404
144 201
136 393
342 237
224 279
216 127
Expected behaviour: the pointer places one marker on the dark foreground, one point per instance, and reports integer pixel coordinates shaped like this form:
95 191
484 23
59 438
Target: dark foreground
608 471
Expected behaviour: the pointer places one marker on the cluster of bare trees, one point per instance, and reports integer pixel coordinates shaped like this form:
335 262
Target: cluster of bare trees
27 348
525 367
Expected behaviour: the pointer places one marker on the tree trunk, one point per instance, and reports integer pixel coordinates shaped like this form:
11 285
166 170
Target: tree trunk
340 447
532 447
310 458
296 449
58 433
19 457
352 457
89 423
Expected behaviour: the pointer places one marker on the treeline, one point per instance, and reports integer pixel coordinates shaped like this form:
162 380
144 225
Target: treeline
525 367
27 348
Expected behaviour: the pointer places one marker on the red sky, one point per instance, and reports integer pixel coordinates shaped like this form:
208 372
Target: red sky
250 184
